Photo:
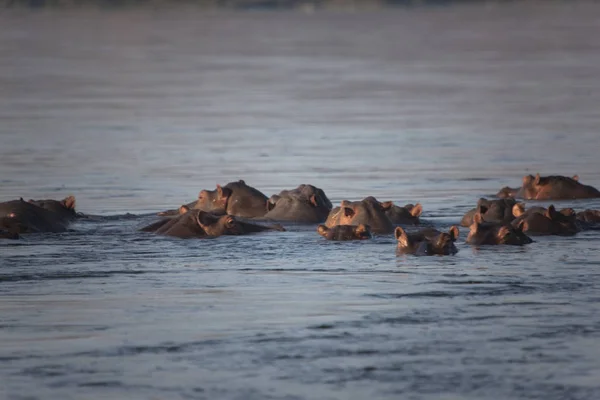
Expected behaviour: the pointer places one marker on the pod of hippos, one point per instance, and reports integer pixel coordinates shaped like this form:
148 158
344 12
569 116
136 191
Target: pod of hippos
239 209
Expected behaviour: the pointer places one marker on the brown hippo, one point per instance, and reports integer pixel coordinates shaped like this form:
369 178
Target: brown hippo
367 211
427 242
495 233
306 203
508 193
554 187
201 224
345 232
542 221
590 216
19 216
235 198
65 208
491 211
407 215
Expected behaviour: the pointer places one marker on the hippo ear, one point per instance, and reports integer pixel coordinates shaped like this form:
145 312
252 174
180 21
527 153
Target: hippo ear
68 202
361 228
417 210
550 212
576 178
518 209
223 196
313 201
241 182
477 218
183 209
401 236
348 212
537 179
453 232
386 205
521 225
322 230
270 205
503 231
344 203
230 221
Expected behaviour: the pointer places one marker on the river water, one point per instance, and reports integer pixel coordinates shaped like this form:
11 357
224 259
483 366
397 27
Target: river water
135 111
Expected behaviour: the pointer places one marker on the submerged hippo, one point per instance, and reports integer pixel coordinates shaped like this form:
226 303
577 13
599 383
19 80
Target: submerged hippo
542 221
427 242
491 211
591 216
19 216
345 232
367 211
407 215
481 232
201 224
508 193
553 187
306 203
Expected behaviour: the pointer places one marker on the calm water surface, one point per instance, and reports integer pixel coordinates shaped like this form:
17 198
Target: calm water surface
136 111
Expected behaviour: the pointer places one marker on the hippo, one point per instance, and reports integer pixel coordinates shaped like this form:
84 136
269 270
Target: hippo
235 198
509 193
407 215
65 208
491 211
19 216
481 232
590 216
542 221
427 242
201 224
554 187
305 204
367 211
345 232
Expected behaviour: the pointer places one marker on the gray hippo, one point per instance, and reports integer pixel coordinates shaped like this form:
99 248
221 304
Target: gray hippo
305 204
367 212
493 233
427 242
201 224
345 232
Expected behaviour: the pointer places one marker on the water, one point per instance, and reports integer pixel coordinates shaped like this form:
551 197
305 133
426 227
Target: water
137 110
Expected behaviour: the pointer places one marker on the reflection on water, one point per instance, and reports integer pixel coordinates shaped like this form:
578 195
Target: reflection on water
137 110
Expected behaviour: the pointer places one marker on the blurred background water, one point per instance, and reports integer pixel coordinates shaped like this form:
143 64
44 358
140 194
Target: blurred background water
136 110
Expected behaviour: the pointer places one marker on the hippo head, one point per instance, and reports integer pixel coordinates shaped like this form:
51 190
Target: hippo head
345 232
409 214
494 233
215 225
531 186
428 242
507 192
214 201
367 211
306 203
65 208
